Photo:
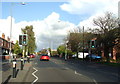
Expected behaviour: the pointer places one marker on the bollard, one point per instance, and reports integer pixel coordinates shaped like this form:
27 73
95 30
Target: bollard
14 68
22 63
28 59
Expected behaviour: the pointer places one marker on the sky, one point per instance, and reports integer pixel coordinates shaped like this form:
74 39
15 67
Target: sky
52 20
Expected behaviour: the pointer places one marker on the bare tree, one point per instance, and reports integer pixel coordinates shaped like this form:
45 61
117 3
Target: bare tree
75 39
106 24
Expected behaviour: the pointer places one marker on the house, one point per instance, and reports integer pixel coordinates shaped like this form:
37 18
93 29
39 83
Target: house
5 45
114 52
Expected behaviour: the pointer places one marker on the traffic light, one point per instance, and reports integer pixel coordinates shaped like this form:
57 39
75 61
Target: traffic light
92 43
24 39
20 39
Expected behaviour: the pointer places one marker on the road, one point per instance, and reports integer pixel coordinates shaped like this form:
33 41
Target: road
57 70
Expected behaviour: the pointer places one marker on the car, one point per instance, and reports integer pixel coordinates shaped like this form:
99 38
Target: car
32 56
44 57
93 57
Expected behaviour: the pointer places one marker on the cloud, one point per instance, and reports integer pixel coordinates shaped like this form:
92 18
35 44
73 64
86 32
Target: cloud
49 32
89 7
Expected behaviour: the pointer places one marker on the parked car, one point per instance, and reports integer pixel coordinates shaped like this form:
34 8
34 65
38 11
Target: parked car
32 56
73 56
93 57
45 57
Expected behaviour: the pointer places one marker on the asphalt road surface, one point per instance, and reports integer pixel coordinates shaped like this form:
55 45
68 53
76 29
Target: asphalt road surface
57 70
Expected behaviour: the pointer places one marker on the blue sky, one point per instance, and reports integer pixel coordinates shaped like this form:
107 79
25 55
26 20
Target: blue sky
37 11
52 21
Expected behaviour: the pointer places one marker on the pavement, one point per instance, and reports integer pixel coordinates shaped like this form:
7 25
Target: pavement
20 74
0 71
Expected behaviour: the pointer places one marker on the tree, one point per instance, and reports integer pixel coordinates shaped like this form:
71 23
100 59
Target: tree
106 26
17 49
31 38
61 49
75 39
54 53
44 51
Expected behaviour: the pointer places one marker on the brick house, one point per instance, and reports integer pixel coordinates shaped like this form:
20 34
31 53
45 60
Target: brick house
114 53
5 45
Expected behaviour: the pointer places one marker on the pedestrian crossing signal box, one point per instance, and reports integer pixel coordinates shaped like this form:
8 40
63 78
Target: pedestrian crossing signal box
20 39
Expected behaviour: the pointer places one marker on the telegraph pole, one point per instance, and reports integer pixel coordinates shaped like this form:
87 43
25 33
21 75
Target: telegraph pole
83 42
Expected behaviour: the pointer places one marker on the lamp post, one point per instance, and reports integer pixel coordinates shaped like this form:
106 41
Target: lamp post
11 11
10 31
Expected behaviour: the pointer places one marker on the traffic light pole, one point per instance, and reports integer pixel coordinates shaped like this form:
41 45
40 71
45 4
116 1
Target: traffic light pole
90 51
23 42
23 51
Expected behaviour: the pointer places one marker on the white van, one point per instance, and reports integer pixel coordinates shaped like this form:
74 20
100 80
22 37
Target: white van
80 55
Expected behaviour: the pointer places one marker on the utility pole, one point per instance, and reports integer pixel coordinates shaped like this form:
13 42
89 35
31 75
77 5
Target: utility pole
83 42
66 50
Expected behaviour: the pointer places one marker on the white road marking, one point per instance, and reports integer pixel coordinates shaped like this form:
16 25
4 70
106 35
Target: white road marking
95 81
66 68
82 75
34 75
77 73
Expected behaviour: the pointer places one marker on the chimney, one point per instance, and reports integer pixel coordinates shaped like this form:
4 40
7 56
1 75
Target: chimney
3 35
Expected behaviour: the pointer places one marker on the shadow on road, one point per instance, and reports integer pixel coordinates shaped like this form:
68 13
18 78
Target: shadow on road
17 72
6 81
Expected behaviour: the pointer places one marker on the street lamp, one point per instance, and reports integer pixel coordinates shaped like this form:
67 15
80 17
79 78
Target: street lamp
11 10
